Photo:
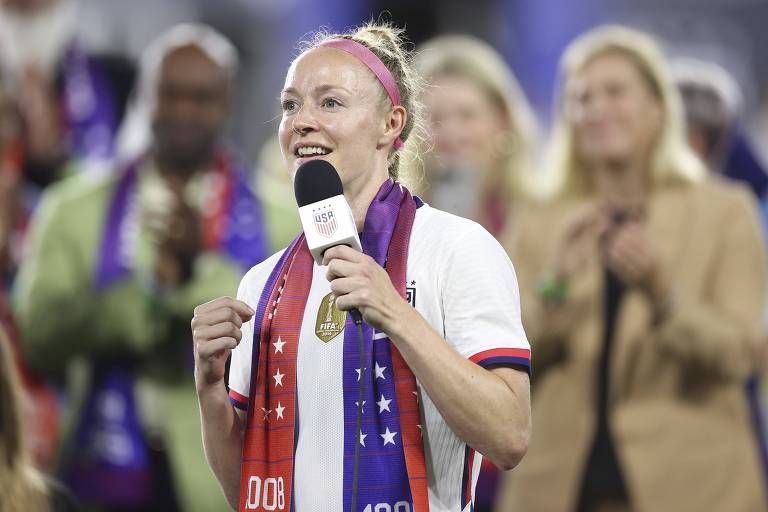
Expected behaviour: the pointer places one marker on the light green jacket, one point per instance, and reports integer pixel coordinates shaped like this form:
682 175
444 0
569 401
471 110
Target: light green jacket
65 321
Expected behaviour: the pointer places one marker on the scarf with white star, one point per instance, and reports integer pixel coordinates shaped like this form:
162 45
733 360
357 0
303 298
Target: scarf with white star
392 465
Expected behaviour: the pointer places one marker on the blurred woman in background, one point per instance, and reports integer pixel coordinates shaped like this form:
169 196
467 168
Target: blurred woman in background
483 130
42 422
482 145
22 487
643 285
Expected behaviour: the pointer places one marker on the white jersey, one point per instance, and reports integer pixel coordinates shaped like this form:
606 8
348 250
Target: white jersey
461 281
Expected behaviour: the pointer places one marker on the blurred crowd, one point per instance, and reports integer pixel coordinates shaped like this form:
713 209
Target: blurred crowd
637 228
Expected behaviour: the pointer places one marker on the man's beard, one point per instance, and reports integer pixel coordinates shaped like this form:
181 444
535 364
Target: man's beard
38 40
183 155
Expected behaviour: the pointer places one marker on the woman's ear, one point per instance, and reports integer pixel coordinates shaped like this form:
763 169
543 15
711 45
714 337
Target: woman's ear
394 125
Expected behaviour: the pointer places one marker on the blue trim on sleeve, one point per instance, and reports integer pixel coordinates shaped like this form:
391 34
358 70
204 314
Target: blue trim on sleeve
240 405
506 360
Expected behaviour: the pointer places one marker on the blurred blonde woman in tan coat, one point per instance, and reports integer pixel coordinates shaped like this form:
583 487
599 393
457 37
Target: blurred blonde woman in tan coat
642 285
482 131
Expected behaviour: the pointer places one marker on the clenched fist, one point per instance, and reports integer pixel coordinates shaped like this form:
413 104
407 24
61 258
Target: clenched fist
215 332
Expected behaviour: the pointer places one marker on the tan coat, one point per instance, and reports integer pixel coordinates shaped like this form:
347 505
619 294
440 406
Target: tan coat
677 403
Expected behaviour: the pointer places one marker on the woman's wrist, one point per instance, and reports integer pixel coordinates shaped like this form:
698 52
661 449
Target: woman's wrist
400 319
206 386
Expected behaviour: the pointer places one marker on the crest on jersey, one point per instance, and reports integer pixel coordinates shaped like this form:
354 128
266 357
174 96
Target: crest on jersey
330 320
325 222
410 293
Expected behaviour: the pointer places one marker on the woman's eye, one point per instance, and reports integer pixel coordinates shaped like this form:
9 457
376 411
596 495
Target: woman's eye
583 98
288 106
330 103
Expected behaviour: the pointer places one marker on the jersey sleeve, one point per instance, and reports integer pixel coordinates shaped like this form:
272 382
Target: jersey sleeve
481 302
249 292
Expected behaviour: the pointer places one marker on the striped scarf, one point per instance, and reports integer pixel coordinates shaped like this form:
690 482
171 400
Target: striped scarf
392 464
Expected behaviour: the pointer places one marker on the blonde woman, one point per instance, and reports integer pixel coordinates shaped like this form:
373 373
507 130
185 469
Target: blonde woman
482 130
643 286
22 487
444 377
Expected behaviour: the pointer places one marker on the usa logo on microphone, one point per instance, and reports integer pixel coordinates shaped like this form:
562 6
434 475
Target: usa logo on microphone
325 222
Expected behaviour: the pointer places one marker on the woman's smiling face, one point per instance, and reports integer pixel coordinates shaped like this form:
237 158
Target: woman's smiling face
334 109
616 117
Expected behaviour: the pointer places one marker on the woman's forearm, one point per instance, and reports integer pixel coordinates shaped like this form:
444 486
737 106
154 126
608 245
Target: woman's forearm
488 409
222 438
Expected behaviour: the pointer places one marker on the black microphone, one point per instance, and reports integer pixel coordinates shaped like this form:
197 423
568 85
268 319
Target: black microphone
324 212
328 221
315 181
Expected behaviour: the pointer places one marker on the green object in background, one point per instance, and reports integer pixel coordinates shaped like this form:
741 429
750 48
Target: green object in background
551 288
273 186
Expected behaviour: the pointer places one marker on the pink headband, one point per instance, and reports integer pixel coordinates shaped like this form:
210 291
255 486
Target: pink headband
367 57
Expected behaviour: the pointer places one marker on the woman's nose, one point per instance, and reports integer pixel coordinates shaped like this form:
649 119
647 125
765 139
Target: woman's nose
304 121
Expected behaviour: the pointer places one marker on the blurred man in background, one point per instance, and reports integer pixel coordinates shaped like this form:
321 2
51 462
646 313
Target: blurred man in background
115 269
713 104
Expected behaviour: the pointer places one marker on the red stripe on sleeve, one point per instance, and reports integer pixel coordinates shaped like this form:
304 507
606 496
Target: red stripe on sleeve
501 352
237 397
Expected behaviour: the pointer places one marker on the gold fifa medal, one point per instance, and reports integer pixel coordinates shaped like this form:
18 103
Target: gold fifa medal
330 320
